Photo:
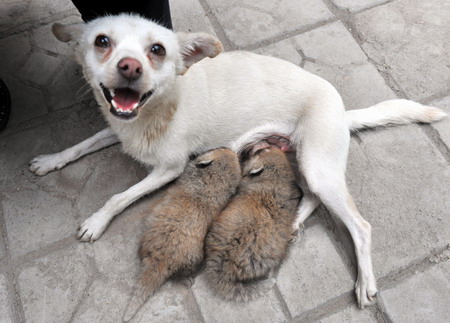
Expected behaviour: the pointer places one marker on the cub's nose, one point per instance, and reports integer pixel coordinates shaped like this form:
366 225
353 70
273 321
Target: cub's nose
130 68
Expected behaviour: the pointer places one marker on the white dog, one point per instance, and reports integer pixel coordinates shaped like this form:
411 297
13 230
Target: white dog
162 108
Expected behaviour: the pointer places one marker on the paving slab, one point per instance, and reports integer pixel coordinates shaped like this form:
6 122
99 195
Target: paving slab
266 308
104 301
264 20
67 86
116 253
393 175
332 53
107 299
350 314
174 302
39 67
283 49
409 38
2 244
189 16
353 6
43 38
28 102
5 306
18 149
422 298
443 126
113 172
11 12
47 8
35 219
51 287
14 49
313 273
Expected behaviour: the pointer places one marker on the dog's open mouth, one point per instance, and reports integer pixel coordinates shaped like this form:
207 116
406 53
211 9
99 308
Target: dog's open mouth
125 102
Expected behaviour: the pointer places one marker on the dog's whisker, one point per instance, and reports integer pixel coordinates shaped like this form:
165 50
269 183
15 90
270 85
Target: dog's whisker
86 90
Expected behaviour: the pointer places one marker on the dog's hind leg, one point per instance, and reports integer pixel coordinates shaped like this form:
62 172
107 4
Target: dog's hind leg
93 227
43 164
308 204
322 158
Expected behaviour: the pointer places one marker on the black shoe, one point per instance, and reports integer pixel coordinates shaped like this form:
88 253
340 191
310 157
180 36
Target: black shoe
5 105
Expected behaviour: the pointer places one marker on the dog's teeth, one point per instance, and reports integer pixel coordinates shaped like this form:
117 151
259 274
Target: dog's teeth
112 93
135 106
114 104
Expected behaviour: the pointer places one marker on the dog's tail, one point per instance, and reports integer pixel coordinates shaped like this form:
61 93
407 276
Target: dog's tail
392 112
150 280
226 284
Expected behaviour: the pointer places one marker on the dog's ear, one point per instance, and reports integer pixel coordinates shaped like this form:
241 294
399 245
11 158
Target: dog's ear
66 33
196 46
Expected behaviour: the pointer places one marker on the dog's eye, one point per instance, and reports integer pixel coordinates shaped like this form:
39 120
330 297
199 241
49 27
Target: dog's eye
102 41
158 50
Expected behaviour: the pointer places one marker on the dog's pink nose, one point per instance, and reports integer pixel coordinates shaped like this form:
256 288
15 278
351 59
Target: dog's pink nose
130 68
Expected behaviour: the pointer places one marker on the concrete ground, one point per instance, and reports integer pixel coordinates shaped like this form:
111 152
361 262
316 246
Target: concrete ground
371 50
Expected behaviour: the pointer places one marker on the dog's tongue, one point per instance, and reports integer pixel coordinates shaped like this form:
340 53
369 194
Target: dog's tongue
126 99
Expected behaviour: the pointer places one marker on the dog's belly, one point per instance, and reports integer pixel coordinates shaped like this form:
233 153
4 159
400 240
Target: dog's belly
223 98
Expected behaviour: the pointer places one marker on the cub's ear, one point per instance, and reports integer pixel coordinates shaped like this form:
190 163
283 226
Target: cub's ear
66 33
256 171
196 46
204 163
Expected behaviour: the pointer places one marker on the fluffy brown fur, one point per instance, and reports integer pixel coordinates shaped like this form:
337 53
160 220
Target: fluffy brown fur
175 242
250 237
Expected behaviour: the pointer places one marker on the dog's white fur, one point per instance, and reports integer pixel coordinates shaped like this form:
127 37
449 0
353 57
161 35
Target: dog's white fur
231 100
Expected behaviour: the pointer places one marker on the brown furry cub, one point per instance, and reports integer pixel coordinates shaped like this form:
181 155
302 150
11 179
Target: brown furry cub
250 237
174 243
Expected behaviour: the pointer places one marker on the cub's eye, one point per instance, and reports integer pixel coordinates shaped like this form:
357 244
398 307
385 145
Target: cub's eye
102 41
158 50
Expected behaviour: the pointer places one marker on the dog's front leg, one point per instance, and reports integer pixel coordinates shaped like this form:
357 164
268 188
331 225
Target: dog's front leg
43 164
93 227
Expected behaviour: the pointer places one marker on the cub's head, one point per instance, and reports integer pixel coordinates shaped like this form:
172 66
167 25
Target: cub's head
131 62
267 164
215 172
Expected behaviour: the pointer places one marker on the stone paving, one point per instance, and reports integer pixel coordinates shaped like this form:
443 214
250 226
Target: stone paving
371 50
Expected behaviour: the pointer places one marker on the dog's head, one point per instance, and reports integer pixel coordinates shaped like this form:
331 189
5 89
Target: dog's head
130 61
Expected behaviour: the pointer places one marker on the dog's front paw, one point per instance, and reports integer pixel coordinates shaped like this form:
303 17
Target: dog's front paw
92 228
366 292
44 164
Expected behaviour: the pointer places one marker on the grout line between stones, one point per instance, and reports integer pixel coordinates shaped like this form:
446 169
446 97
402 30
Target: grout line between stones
422 264
282 303
48 118
218 29
346 18
43 251
193 299
38 23
198 309
288 34
341 240
93 276
11 280
381 310
328 308
435 137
